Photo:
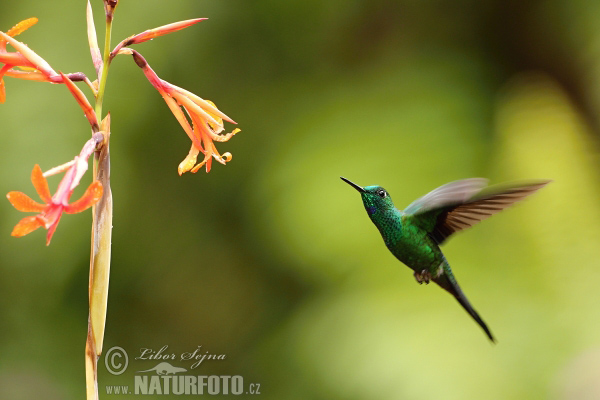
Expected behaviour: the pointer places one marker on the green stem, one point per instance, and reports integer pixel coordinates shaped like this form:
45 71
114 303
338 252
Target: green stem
101 238
104 74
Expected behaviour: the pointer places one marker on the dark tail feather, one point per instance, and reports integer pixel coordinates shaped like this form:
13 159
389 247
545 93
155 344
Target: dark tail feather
467 306
447 281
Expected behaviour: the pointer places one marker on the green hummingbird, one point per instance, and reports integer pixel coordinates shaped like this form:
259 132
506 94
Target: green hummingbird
414 235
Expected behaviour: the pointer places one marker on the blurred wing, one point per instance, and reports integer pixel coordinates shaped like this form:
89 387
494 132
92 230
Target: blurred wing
452 193
442 223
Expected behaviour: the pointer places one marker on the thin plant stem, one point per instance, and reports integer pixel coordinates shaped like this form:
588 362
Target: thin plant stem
104 74
101 239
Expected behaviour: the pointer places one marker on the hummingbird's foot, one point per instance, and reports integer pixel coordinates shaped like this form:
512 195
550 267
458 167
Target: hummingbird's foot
426 275
418 277
423 276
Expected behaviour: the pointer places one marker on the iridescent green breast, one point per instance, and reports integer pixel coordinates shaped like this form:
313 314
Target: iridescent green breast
409 243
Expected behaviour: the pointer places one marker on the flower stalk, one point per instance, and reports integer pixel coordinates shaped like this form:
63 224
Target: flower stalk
201 120
99 264
101 214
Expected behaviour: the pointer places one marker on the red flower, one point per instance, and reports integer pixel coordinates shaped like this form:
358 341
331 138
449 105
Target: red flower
53 207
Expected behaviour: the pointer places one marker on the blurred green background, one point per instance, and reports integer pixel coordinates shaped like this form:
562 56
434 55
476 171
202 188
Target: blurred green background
271 259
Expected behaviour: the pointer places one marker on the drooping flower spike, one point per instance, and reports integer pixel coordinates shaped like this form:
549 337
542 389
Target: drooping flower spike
50 212
207 119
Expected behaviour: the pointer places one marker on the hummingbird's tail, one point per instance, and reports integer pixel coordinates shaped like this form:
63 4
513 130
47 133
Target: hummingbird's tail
447 281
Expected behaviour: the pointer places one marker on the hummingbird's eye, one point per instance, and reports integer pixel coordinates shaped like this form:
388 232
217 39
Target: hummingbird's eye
382 193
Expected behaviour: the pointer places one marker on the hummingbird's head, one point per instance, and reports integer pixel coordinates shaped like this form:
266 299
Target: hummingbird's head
375 198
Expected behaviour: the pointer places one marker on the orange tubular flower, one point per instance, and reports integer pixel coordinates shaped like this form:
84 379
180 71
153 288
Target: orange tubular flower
24 56
207 120
156 32
16 58
83 102
32 66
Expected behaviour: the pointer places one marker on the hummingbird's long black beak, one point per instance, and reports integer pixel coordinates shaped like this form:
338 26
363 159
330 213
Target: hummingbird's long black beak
354 185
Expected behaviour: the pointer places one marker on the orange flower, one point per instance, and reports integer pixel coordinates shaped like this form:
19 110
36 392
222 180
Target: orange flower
53 207
14 31
24 56
51 211
33 66
83 102
207 120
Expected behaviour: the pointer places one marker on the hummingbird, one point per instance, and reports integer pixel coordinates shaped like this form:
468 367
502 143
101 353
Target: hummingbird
414 235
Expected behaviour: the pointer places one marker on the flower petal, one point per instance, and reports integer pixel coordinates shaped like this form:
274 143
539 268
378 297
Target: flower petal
205 104
14 58
26 225
200 165
152 33
194 108
207 161
4 69
180 116
22 26
83 102
89 198
2 88
40 184
52 229
163 30
33 75
2 92
189 161
24 203
37 61
226 137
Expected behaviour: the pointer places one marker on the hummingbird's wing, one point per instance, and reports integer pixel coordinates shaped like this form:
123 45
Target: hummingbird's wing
443 212
456 192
